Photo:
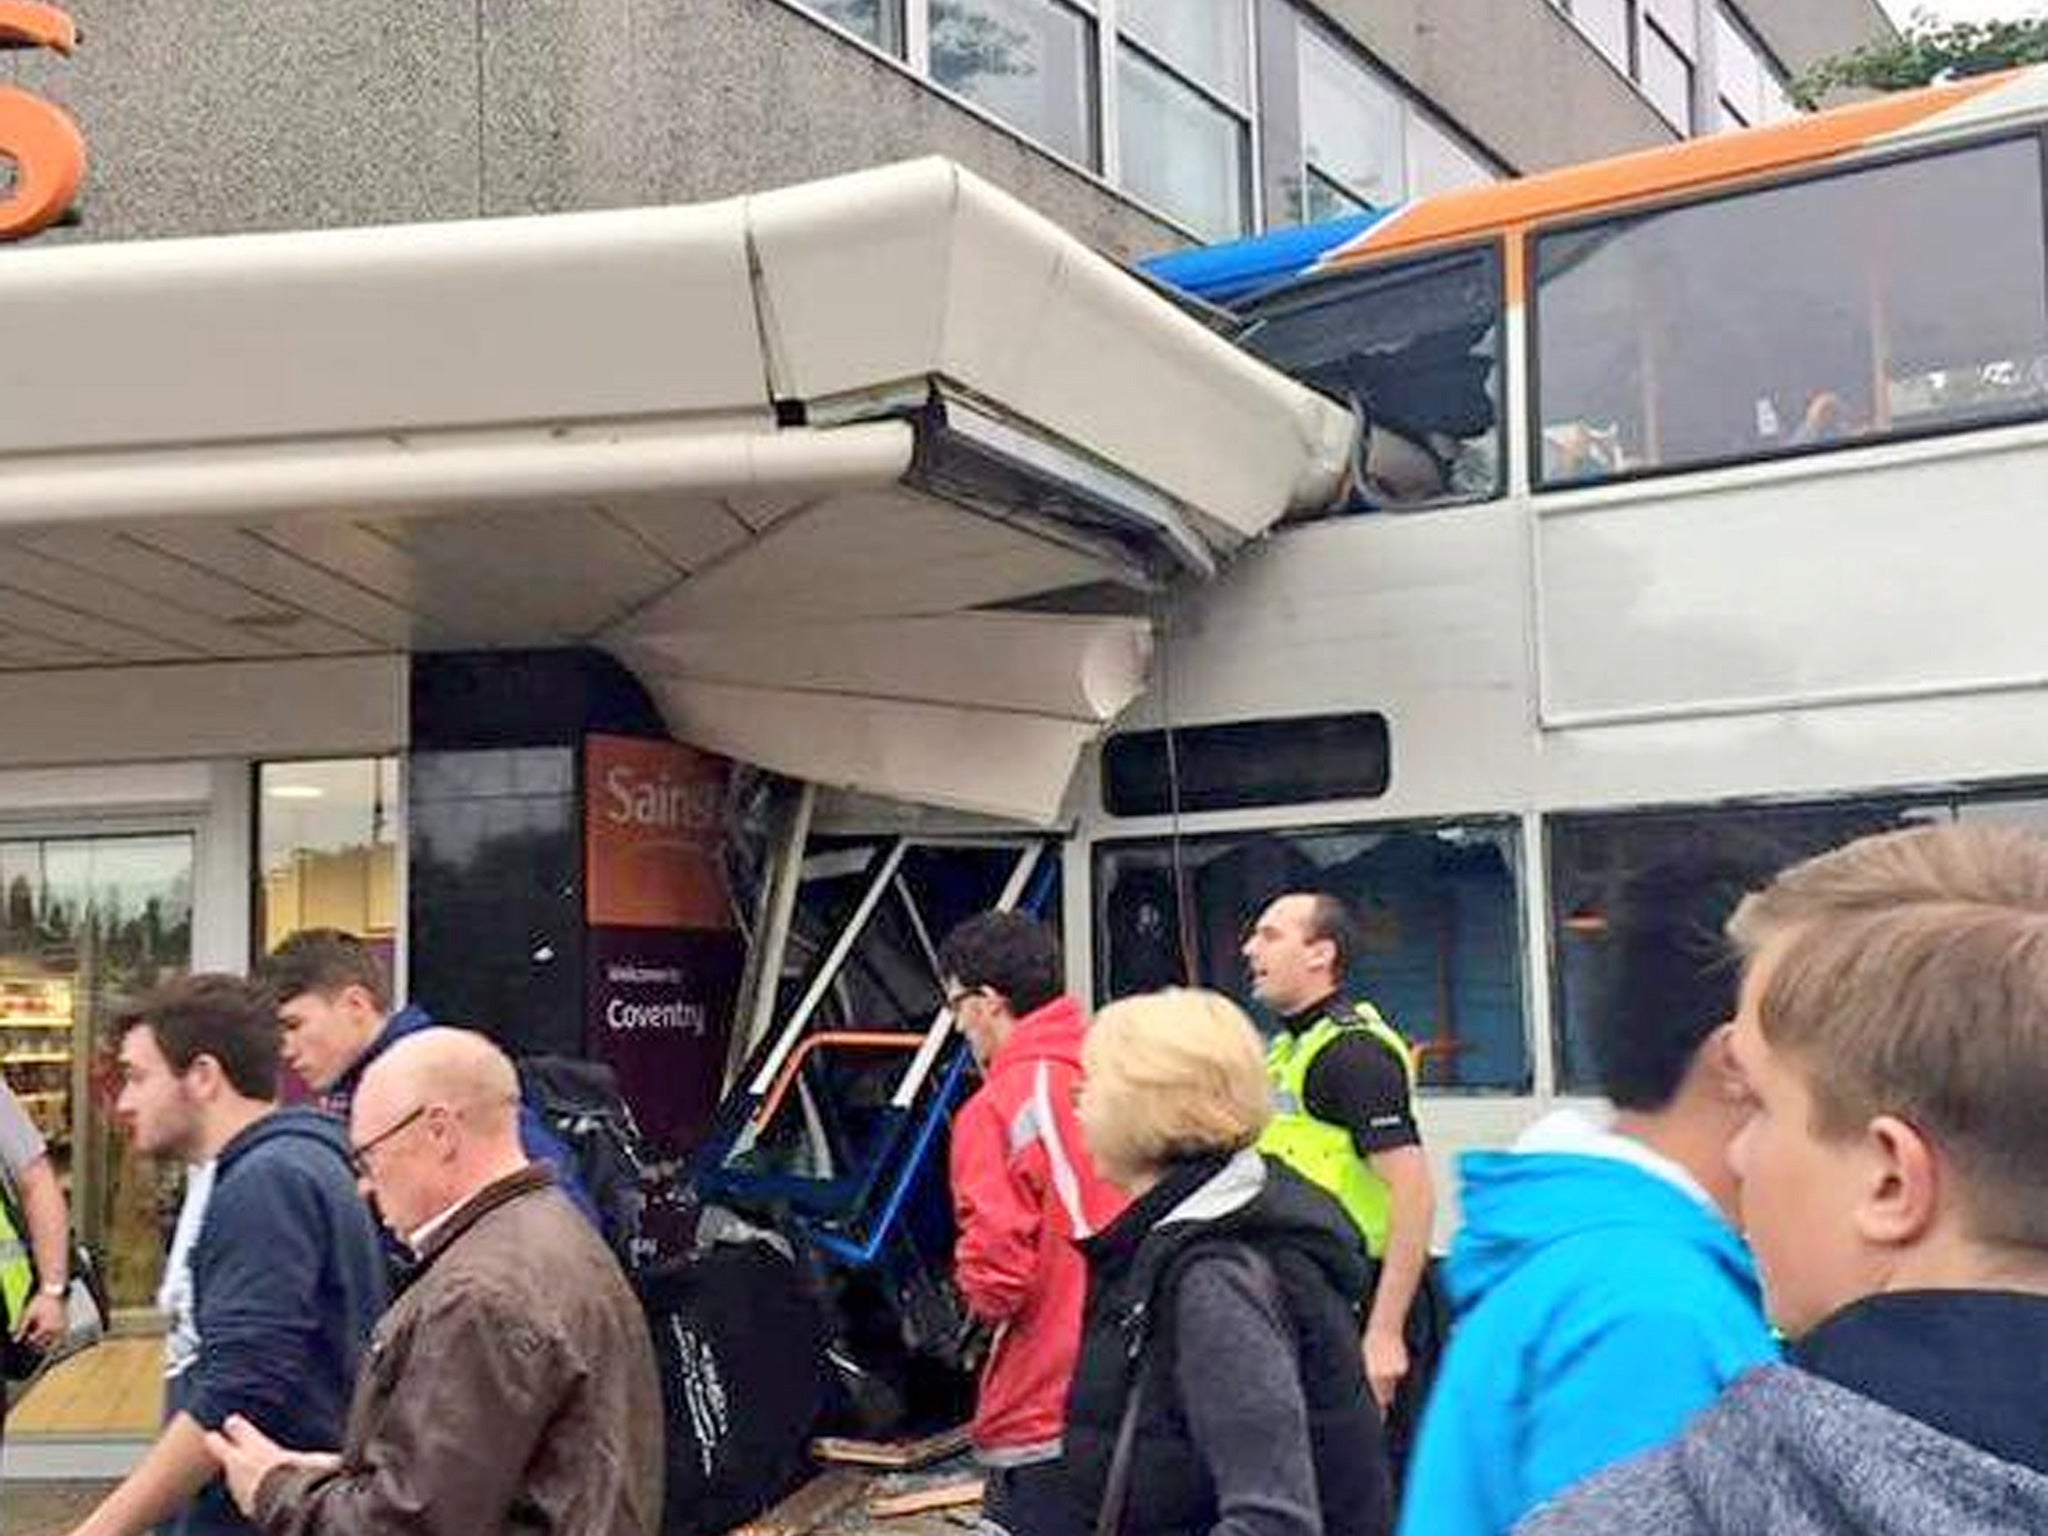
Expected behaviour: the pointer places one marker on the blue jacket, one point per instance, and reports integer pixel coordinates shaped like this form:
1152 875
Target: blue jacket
1600 1306
287 1281
541 1144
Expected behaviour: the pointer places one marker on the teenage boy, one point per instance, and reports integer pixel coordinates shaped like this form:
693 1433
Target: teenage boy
287 1272
1604 1298
1893 1035
1024 1191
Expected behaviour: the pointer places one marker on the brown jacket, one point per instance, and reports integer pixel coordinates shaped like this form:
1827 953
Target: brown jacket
511 1388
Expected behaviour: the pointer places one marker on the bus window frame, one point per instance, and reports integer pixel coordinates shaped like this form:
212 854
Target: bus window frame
1507 825
1857 163
1491 245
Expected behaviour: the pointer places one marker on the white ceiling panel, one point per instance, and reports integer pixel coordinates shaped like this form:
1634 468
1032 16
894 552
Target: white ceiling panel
558 571
103 639
88 592
282 577
871 555
691 531
127 561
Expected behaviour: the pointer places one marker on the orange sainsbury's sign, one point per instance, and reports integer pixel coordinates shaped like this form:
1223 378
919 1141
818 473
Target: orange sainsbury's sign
44 143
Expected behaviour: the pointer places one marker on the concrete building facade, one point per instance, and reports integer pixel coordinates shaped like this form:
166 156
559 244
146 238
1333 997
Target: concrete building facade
1138 124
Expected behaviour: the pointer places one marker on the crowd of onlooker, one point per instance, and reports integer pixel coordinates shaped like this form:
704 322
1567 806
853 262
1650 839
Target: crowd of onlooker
1793 1278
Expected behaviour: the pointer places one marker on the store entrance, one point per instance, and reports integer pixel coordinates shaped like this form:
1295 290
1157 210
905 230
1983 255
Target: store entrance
86 923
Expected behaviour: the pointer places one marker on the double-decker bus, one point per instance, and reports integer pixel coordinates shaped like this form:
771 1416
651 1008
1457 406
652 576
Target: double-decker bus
1700 496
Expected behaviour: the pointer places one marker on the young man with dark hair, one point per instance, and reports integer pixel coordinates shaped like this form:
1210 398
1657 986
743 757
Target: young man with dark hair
287 1274
335 1005
1344 1109
1603 1295
1893 1038
1024 1192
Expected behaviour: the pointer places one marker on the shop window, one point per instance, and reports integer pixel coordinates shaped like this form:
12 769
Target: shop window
1901 298
1437 907
1180 151
1416 345
87 924
1029 62
1245 763
327 849
1593 858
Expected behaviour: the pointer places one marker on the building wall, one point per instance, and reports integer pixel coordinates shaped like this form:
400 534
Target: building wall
218 116
1504 73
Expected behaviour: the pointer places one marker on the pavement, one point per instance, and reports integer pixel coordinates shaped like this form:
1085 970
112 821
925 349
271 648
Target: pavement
47 1509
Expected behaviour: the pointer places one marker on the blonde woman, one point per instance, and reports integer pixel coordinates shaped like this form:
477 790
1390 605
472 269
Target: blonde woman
1220 1387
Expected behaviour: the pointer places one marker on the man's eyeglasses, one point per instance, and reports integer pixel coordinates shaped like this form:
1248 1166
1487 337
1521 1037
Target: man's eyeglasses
955 999
359 1156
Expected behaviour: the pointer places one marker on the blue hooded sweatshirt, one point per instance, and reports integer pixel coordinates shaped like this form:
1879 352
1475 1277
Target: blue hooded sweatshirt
287 1281
541 1144
1600 1305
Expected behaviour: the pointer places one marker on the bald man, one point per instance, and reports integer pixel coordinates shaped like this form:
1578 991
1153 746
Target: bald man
513 1383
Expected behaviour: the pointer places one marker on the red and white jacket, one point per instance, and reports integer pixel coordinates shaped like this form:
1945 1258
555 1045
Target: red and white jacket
1024 1191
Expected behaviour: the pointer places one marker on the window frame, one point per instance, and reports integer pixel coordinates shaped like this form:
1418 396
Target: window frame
1508 826
1908 797
1798 176
1492 246
1113 38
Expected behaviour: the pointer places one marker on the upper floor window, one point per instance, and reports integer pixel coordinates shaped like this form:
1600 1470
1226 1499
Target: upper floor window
1184 111
1351 134
1901 298
1416 345
1749 88
1029 62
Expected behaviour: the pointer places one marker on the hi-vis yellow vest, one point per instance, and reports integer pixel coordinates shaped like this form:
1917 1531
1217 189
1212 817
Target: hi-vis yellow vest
17 1271
1319 1151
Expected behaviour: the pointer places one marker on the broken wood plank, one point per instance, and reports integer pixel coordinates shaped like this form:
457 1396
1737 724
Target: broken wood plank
810 1506
940 1496
896 1455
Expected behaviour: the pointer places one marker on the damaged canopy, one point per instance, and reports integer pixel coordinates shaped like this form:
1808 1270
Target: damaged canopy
799 459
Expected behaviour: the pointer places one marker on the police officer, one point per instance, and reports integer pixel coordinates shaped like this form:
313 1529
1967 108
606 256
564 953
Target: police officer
34 1235
1344 1108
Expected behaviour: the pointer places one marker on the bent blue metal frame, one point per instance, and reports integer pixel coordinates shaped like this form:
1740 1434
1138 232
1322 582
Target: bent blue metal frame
827 1210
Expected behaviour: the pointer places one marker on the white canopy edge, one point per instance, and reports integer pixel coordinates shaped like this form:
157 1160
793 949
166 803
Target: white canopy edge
719 313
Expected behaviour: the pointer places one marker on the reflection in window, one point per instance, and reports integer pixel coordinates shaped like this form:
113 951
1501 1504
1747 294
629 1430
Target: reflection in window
1416 345
1351 133
1437 909
1030 62
1209 43
876 21
1902 298
1593 858
327 849
1180 152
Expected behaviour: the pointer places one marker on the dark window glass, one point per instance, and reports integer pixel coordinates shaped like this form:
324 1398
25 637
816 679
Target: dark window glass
1592 858
1437 910
1903 298
495 898
1417 347
877 21
1245 763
